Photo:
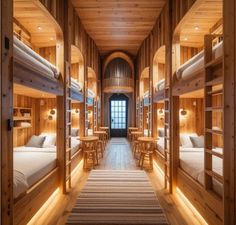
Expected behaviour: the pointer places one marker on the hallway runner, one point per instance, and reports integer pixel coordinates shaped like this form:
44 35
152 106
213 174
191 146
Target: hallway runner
117 197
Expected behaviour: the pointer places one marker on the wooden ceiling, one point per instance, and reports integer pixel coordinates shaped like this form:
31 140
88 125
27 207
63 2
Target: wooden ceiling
204 15
118 24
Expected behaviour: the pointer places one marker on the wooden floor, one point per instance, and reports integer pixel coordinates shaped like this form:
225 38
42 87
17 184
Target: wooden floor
118 155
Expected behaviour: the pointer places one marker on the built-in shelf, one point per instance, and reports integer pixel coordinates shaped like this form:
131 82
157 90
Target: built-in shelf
21 115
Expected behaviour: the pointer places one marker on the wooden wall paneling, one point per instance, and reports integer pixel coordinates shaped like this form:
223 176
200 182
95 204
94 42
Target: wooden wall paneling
6 113
49 53
229 167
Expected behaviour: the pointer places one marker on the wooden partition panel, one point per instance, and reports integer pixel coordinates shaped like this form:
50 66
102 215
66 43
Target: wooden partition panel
6 112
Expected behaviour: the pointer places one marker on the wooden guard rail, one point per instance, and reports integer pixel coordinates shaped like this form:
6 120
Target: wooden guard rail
122 83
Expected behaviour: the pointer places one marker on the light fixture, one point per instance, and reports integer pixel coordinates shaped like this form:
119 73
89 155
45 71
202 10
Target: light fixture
77 111
161 111
183 112
51 39
50 117
39 28
196 28
185 38
53 111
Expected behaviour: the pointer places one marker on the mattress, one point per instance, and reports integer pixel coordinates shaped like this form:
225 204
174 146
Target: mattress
196 63
160 85
192 162
161 145
26 56
31 165
75 144
75 85
91 94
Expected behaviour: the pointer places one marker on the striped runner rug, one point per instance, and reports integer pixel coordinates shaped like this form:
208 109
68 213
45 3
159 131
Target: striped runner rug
117 197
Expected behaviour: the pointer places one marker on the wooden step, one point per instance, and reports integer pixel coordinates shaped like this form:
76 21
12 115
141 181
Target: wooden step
215 175
213 131
214 62
216 81
216 109
217 154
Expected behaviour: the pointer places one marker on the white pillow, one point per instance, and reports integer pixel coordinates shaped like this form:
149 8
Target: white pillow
50 140
185 141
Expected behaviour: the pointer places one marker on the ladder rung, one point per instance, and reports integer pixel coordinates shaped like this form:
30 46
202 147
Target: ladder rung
68 177
214 62
211 152
215 81
68 150
167 178
68 163
69 110
167 111
215 175
216 108
216 92
69 124
213 131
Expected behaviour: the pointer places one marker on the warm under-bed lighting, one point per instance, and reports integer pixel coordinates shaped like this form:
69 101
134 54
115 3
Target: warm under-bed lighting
39 28
187 205
47 206
196 28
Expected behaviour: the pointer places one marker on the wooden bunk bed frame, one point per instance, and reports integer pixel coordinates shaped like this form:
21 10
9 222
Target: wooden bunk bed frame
26 206
209 204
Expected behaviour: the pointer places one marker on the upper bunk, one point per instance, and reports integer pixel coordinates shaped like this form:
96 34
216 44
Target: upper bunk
91 87
144 89
37 51
159 74
192 50
77 75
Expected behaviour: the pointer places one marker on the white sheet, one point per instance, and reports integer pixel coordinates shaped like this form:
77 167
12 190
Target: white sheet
76 85
160 85
160 145
30 165
192 162
91 94
196 63
75 144
26 55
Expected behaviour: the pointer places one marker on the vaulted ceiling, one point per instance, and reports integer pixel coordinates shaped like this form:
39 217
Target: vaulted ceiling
118 24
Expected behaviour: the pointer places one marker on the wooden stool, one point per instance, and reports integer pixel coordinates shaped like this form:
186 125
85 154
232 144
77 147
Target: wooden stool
107 132
131 129
146 146
134 136
102 139
89 147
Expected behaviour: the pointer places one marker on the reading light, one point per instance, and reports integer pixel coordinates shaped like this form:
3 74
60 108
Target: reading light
77 111
160 111
50 117
53 111
196 28
185 38
39 28
183 112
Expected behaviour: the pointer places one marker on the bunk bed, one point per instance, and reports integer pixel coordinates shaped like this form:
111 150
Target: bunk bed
200 166
190 76
159 91
76 90
32 70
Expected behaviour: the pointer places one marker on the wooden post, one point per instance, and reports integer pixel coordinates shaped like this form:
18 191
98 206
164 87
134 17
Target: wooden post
6 113
229 62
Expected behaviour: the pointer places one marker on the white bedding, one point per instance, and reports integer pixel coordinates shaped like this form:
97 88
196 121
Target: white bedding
76 85
91 94
161 145
26 56
30 165
75 144
189 68
160 85
192 162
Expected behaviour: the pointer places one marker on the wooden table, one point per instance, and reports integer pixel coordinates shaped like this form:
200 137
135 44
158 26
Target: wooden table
134 135
89 146
146 150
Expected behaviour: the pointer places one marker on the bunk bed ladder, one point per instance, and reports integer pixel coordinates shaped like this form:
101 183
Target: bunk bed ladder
95 115
149 114
141 115
166 138
213 87
68 102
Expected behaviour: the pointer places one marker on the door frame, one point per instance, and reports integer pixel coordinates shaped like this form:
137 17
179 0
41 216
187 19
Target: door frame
118 97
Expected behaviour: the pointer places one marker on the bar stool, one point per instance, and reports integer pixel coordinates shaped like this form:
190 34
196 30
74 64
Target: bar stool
107 132
102 140
89 147
146 146
131 129
134 136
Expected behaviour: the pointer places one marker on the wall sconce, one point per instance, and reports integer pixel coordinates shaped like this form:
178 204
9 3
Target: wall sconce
183 112
77 111
52 113
160 111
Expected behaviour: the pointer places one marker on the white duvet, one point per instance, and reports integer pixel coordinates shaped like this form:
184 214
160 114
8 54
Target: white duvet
192 162
75 144
30 165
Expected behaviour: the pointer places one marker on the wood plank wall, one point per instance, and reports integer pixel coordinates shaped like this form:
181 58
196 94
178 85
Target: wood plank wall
187 53
40 118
